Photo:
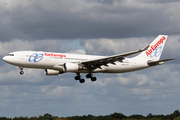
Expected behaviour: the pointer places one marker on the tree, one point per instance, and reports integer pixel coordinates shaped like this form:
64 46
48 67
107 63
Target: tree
118 115
150 115
47 116
137 116
176 113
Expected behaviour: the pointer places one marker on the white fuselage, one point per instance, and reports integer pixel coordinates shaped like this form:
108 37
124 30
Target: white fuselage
59 63
48 60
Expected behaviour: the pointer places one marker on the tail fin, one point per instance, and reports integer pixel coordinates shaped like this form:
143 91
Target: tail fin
155 49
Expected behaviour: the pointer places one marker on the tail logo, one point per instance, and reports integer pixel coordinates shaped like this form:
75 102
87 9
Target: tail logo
157 52
157 48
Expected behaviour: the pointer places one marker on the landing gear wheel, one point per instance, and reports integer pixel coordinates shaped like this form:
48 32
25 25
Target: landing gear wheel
81 80
77 77
93 79
89 75
21 72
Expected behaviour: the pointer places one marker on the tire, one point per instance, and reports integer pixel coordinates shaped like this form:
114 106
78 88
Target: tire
93 79
21 72
88 76
81 80
77 77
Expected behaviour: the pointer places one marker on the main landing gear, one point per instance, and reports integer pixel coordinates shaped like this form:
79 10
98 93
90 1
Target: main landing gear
78 77
21 72
91 76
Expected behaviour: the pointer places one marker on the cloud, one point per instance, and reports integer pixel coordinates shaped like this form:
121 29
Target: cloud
117 46
148 86
34 20
62 93
78 51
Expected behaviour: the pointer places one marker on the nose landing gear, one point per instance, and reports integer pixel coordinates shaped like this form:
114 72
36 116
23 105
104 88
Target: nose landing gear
21 72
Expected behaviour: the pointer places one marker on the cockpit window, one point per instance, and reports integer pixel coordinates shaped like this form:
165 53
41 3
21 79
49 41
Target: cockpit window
10 55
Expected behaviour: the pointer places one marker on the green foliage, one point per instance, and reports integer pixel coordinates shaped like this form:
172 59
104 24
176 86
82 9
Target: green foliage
137 116
20 118
177 118
4 118
47 116
115 116
118 115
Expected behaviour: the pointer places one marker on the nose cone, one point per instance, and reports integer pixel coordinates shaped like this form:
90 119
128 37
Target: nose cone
8 59
5 58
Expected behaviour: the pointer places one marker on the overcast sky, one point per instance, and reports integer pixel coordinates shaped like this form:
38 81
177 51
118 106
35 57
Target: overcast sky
98 27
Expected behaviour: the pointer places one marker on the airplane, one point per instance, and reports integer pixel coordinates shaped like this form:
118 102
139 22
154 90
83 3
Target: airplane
59 63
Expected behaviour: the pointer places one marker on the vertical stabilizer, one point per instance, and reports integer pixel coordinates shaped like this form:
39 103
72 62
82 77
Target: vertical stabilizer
155 49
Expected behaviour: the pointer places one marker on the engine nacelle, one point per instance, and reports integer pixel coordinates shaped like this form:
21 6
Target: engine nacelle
50 72
71 67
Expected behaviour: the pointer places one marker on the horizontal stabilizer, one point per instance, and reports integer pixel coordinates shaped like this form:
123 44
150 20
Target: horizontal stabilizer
159 62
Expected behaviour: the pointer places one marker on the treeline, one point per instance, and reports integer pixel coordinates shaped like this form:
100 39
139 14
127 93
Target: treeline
115 116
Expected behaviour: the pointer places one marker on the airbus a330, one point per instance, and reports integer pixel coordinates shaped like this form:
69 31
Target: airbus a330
59 63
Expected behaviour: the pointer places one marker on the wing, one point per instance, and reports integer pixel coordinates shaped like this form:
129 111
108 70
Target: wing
97 63
159 62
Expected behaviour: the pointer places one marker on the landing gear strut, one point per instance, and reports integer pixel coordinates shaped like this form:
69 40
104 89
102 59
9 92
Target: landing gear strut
21 72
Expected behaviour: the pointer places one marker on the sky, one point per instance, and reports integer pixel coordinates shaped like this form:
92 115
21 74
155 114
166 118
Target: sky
93 27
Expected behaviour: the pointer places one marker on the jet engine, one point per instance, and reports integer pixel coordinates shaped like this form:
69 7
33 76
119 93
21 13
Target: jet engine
71 67
50 72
